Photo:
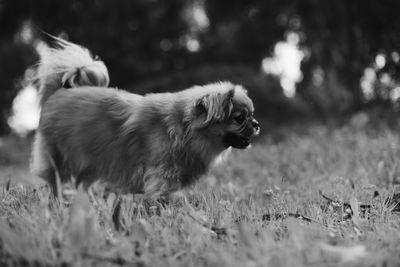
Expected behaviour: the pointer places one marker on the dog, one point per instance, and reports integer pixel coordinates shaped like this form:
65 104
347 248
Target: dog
152 144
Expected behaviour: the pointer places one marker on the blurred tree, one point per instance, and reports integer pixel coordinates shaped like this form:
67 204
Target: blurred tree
243 31
129 35
146 42
15 56
343 38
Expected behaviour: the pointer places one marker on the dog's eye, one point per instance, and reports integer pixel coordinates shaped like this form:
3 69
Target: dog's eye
240 118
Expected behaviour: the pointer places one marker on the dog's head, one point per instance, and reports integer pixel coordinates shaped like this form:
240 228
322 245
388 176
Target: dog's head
225 112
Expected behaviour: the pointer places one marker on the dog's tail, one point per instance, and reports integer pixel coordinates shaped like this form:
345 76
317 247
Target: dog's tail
67 66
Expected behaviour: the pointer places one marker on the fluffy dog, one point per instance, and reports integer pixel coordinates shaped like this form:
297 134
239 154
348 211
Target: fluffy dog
153 144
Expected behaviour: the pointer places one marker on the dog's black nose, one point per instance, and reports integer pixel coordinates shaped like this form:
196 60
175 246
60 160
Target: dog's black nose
256 126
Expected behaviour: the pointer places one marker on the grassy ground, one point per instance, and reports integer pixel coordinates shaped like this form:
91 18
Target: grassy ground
262 207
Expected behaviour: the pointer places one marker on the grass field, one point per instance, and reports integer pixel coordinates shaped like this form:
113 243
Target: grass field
317 198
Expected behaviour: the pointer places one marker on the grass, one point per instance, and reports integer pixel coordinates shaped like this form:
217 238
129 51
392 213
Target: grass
236 216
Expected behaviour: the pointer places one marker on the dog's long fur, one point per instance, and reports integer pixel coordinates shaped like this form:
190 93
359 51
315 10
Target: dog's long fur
152 144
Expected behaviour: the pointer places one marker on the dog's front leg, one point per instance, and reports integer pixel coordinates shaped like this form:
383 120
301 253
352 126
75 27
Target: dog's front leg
157 185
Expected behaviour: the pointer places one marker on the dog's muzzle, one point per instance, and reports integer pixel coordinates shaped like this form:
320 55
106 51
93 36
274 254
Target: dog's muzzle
243 139
236 141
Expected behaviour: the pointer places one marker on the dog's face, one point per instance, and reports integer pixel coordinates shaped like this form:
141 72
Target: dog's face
228 116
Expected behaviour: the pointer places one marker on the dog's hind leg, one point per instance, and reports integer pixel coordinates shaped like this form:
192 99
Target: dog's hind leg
45 163
86 177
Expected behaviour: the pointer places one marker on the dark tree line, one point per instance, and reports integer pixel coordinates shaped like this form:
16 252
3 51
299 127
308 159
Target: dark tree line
144 45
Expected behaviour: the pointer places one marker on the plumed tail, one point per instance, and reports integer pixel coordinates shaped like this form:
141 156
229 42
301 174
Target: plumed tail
67 66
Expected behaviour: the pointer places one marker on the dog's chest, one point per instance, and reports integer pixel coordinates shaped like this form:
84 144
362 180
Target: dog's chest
191 170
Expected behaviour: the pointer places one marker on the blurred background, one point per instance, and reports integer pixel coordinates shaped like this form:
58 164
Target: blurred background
301 60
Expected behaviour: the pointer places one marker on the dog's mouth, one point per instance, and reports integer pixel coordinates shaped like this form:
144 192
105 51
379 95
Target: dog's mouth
236 141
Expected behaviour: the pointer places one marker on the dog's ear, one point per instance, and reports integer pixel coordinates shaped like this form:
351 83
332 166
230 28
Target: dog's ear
214 107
